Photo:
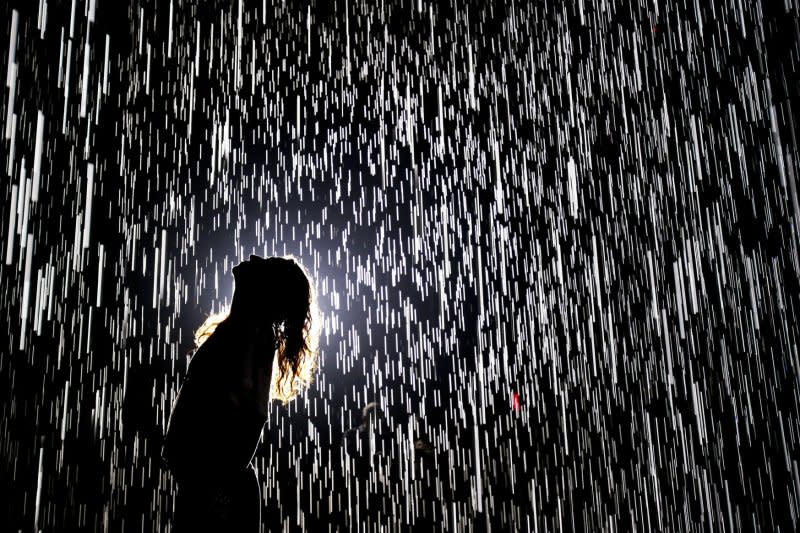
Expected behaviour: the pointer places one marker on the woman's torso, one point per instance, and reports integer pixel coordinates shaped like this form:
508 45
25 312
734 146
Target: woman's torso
211 439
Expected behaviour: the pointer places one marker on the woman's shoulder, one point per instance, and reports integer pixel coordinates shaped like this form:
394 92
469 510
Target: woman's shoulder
214 358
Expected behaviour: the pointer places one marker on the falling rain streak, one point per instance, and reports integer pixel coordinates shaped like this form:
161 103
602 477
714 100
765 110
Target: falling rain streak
556 248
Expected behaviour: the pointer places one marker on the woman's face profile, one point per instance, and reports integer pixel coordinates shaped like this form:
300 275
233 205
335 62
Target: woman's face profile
271 292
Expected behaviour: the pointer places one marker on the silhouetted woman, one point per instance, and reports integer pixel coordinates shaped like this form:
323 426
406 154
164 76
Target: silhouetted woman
265 348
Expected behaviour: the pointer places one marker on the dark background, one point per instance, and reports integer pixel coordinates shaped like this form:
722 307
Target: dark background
602 224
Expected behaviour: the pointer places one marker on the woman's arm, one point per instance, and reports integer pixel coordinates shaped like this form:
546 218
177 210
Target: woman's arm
256 371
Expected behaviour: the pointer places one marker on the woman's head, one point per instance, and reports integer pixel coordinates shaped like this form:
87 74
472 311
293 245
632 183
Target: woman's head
276 296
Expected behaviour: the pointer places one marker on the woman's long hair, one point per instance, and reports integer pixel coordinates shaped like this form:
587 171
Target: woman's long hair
296 341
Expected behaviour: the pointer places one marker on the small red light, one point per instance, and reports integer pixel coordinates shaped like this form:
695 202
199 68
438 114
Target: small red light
517 402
